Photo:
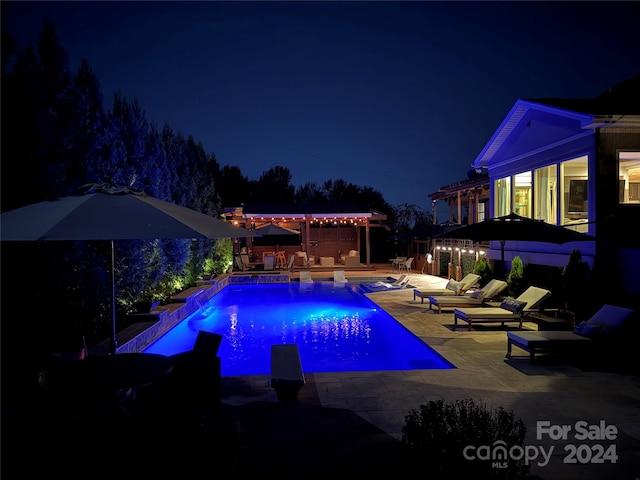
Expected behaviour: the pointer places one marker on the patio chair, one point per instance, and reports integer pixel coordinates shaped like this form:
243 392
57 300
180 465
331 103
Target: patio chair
237 263
597 332
305 277
477 298
406 265
339 278
510 310
246 263
452 288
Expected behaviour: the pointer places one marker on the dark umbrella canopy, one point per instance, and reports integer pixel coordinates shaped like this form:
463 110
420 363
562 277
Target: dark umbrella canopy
112 213
108 213
274 229
515 227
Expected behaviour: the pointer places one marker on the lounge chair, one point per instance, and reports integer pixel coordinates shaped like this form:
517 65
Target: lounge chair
246 263
595 332
339 278
477 298
510 310
401 282
452 288
305 277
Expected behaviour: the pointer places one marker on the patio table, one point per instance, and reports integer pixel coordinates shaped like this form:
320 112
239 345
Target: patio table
396 262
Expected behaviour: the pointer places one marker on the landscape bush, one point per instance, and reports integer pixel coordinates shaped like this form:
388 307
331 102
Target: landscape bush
435 435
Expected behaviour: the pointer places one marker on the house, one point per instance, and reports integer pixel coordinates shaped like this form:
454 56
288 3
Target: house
569 162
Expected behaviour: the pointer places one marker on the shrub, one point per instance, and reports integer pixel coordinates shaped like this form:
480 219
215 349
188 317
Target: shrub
575 284
222 256
516 276
434 438
483 269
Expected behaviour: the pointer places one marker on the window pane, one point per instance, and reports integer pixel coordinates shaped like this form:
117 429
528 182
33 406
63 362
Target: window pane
574 183
522 194
502 199
545 203
629 177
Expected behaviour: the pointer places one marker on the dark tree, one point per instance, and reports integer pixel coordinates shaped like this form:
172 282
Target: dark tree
120 148
339 191
310 193
86 121
274 186
36 97
55 120
232 186
155 182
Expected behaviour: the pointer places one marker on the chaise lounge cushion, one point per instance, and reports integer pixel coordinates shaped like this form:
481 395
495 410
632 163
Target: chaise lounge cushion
586 330
532 297
608 318
469 299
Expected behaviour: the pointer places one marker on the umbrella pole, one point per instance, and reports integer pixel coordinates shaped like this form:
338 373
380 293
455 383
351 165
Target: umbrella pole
113 343
502 265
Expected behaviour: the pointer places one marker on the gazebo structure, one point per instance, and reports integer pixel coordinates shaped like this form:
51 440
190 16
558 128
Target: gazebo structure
326 230
471 195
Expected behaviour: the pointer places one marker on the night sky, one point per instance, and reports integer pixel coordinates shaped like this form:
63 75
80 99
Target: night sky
398 96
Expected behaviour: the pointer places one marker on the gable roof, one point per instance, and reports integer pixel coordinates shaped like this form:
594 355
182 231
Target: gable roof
566 117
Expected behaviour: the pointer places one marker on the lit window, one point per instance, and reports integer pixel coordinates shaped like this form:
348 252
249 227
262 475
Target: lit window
574 185
629 177
522 194
502 197
545 203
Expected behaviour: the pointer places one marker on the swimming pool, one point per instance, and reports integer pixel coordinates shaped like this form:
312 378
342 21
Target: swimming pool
337 329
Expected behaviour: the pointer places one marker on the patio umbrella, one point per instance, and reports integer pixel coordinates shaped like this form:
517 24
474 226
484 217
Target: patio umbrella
275 229
515 227
103 212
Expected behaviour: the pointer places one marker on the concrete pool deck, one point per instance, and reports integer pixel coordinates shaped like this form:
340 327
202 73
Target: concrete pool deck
354 419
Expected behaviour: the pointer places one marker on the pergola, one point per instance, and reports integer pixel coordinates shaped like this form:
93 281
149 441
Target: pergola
472 191
308 215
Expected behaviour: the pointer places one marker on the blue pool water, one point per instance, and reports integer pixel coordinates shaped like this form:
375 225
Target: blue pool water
337 329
